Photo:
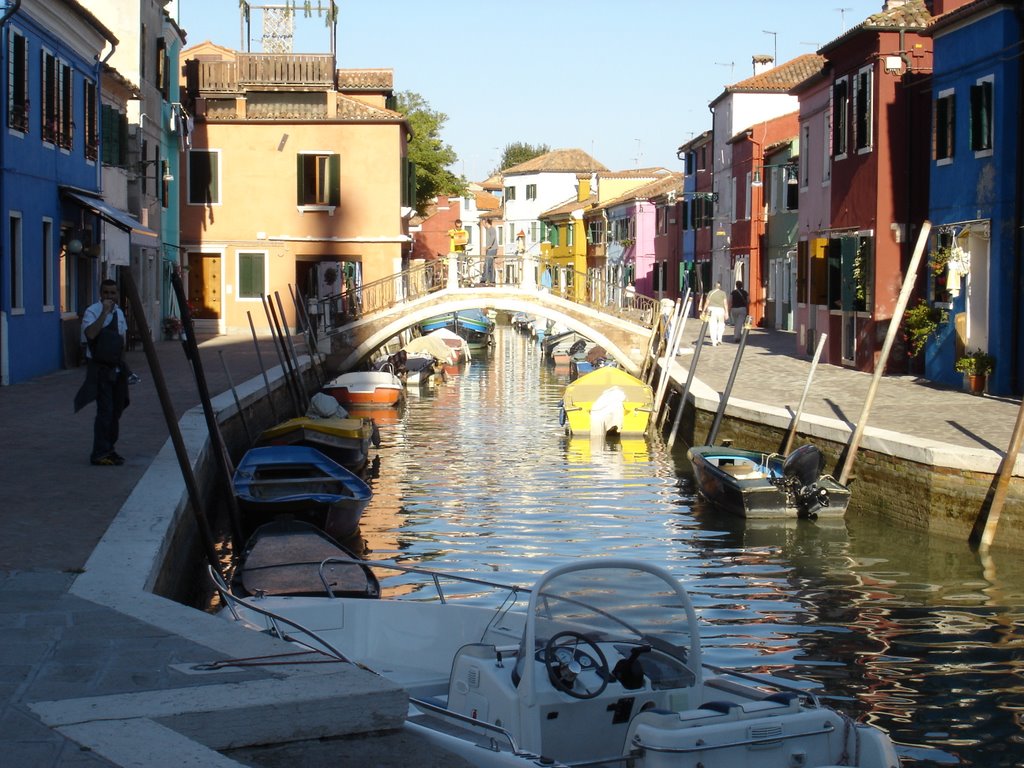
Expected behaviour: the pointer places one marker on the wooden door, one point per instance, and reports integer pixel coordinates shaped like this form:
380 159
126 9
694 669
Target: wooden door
204 285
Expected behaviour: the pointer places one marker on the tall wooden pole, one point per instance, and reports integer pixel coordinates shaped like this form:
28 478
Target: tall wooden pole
788 442
890 337
691 370
194 496
984 530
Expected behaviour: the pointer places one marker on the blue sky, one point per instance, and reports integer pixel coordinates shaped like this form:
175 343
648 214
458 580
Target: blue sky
626 82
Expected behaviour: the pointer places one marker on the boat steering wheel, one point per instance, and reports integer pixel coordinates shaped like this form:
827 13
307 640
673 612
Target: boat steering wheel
566 662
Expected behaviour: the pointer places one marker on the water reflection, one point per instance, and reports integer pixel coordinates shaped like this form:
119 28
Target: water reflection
911 632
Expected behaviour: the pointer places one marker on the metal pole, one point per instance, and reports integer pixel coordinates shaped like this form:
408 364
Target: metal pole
220 450
788 442
234 393
653 342
293 358
263 369
670 356
663 350
728 387
890 337
308 335
689 380
984 530
289 384
194 497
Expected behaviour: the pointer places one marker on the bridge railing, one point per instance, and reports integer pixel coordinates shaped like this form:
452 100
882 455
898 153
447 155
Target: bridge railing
340 308
588 289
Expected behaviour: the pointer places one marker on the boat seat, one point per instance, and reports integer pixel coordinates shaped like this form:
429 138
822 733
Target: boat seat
742 471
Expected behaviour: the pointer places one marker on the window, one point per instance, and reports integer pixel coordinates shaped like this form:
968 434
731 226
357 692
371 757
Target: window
113 136
501 235
92 139
945 117
510 193
534 231
65 109
840 116
595 232
661 219
981 116
747 197
203 177
826 150
48 255
251 279
319 179
570 234
408 183
50 97
15 262
17 82
805 155
162 79
531 191
862 103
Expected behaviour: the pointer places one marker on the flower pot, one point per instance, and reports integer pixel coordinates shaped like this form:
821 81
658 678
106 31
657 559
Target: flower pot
976 383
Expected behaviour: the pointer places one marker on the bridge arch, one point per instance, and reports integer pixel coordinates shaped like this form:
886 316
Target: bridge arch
625 341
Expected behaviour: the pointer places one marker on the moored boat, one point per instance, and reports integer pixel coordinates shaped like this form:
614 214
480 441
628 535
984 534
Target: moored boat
755 484
366 388
607 400
473 325
602 666
286 558
301 483
344 440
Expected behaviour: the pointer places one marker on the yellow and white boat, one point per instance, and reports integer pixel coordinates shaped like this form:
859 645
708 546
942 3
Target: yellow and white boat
344 440
607 400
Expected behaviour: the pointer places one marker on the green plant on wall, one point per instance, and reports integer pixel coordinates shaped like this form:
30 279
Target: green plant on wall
920 322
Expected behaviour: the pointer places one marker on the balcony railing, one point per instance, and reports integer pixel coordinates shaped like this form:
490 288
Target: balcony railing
264 72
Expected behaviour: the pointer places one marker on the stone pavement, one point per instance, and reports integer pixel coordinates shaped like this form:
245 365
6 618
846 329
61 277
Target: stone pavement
770 374
85 683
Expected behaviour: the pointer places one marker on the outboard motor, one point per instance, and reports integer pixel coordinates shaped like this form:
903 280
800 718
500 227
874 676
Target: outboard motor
801 471
805 464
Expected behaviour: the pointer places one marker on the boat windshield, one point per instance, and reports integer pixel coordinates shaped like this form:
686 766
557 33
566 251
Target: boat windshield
633 603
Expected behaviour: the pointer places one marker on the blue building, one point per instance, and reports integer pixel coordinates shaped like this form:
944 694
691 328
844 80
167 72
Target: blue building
50 143
975 272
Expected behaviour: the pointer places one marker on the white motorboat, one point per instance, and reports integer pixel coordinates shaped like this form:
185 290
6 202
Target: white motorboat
602 666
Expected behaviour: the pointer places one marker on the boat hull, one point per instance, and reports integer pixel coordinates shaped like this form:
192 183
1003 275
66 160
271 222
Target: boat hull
740 482
366 389
300 483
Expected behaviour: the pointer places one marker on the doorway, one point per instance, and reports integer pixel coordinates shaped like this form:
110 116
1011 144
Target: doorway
204 289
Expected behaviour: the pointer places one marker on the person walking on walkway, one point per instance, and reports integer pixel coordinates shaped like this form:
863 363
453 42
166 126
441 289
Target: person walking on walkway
738 301
715 304
104 330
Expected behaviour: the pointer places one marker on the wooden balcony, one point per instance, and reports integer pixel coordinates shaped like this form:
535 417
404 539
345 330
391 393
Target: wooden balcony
261 72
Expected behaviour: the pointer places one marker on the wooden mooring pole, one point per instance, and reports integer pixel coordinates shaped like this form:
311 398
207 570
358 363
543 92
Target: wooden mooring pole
788 442
984 530
691 370
890 337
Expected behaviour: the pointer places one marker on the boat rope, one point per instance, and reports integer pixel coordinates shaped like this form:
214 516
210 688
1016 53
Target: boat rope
849 726
276 659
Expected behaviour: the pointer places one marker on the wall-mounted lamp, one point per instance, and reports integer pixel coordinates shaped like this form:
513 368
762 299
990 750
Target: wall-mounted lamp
167 177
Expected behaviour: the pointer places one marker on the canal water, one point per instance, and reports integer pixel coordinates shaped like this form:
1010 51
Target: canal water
921 637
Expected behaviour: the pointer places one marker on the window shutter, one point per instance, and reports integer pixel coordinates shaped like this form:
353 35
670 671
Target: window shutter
122 140
300 186
334 177
245 274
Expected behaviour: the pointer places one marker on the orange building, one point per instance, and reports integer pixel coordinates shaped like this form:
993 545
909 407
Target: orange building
295 174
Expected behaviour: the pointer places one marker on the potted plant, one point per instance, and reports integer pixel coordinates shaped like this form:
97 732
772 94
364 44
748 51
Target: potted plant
977 366
172 327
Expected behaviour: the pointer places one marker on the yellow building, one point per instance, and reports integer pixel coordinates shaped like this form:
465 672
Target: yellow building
296 176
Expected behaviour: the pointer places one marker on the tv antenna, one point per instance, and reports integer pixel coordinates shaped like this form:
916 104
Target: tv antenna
730 64
775 45
842 16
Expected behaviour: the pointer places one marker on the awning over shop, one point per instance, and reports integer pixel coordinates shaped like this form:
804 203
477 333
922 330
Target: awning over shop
140 235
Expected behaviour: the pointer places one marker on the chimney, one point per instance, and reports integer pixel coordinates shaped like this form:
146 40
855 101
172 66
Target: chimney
889 5
582 187
762 63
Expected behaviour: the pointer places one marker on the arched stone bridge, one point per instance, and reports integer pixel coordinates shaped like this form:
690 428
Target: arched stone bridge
626 340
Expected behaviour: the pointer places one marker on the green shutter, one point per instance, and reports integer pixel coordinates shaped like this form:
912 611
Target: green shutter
334 178
245 276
